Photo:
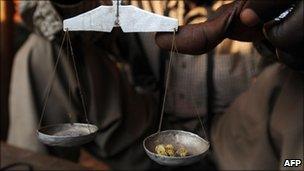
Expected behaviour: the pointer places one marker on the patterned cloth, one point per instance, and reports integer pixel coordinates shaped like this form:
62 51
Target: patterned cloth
233 62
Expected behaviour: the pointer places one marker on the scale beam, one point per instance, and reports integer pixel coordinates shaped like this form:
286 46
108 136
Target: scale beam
128 17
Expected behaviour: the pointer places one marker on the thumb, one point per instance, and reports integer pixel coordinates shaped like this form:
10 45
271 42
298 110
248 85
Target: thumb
287 33
257 11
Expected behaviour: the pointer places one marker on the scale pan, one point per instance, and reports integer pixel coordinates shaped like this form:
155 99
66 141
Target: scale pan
195 145
67 135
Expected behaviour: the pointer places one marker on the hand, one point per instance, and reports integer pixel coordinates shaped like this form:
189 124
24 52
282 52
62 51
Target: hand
285 34
247 20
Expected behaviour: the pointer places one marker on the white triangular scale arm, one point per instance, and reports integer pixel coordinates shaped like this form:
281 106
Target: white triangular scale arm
128 17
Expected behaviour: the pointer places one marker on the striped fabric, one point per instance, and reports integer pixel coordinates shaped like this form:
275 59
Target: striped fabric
235 62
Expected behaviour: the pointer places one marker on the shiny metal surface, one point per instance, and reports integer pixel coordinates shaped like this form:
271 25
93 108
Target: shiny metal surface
67 135
196 146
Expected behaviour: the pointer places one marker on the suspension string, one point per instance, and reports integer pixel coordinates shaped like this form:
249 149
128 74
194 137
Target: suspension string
83 102
69 86
198 116
167 82
194 105
51 81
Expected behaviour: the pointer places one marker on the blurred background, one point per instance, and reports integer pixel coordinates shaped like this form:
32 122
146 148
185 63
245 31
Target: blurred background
12 37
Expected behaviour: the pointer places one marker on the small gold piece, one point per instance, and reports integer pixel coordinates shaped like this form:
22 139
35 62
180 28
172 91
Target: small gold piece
170 150
160 149
182 152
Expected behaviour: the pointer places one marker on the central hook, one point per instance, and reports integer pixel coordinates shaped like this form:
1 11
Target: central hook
117 3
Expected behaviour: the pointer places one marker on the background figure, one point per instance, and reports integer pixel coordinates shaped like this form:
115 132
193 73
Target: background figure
111 75
263 127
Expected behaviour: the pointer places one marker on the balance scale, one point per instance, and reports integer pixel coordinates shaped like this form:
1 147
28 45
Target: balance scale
130 19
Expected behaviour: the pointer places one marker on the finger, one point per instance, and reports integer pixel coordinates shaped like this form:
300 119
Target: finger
199 38
256 11
287 34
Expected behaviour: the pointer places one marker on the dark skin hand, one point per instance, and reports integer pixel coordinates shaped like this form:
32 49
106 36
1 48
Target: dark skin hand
201 38
247 20
285 35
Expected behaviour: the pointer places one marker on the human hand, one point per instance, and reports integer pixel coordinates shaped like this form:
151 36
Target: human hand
285 33
247 20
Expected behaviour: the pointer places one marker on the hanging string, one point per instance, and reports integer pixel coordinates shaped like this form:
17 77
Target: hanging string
50 83
82 97
198 116
167 82
173 51
193 103
69 113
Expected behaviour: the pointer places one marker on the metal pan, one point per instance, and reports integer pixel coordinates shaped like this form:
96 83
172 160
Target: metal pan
67 135
196 146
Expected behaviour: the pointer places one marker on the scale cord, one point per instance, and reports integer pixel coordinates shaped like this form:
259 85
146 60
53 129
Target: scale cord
83 102
69 87
50 84
193 104
167 82
172 52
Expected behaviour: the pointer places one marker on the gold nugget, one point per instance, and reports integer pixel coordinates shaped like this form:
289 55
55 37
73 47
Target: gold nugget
182 152
170 150
160 149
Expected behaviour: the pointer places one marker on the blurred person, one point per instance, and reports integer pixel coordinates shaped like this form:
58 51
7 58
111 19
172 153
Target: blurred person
190 89
115 74
263 127
230 62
